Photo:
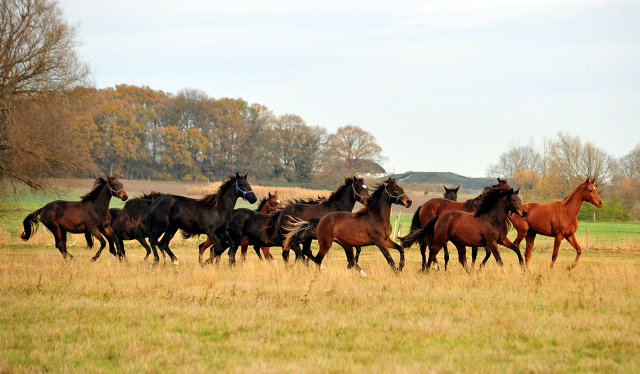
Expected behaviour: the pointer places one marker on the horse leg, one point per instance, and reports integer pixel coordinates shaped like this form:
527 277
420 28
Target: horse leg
462 256
423 250
164 243
574 243
348 250
267 253
385 252
474 254
203 247
391 243
358 250
112 238
530 239
144 244
103 243
507 243
556 247
486 257
446 256
297 251
244 245
496 254
285 254
306 251
433 251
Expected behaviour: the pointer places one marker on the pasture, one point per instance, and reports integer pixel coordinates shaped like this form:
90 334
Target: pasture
265 317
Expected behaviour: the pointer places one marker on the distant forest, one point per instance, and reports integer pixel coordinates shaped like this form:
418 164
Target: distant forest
141 133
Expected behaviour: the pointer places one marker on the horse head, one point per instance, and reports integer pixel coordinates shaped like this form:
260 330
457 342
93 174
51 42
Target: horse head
451 193
243 188
590 193
396 193
116 188
273 202
514 204
360 189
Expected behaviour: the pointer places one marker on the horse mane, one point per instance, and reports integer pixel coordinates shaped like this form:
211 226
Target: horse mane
334 195
373 202
488 199
137 209
472 204
573 192
213 198
263 202
97 187
309 201
150 196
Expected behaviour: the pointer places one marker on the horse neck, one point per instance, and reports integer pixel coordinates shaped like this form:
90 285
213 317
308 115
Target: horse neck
227 200
499 213
383 211
101 203
573 202
266 208
345 201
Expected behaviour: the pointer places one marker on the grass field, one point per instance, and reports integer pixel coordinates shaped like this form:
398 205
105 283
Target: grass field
262 317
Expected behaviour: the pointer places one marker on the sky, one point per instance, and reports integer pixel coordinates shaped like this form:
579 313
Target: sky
443 85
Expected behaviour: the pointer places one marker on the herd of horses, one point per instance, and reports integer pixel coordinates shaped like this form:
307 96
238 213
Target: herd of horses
483 221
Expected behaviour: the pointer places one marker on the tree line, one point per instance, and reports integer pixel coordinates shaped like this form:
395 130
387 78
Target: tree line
550 170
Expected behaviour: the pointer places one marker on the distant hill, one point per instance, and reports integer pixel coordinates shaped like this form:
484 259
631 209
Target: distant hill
449 179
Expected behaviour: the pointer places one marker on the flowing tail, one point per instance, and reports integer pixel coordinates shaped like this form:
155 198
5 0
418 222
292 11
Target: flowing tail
299 231
418 236
415 222
30 224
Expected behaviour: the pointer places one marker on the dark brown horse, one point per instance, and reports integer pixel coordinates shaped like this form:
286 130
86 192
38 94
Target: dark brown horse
369 226
558 219
451 193
438 206
209 215
342 199
267 205
132 222
90 216
484 228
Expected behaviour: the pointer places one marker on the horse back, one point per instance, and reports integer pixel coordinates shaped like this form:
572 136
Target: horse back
438 206
463 228
550 219
73 216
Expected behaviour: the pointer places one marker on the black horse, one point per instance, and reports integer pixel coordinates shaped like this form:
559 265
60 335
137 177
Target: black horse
209 215
90 216
132 222
342 199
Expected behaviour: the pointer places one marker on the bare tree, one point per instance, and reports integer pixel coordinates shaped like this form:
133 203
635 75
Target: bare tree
353 143
37 63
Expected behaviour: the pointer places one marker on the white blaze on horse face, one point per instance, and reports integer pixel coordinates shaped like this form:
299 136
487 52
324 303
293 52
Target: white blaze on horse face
278 201
364 186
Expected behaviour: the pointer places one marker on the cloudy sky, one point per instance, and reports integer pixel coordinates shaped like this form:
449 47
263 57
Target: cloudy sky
444 85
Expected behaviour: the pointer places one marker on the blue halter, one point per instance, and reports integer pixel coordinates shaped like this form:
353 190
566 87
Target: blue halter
244 193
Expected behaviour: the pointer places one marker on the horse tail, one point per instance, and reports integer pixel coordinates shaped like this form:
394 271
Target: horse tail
298 231
89 238
30 224
418 236
415 222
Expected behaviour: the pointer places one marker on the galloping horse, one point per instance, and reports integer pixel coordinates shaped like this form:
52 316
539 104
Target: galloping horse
484 228
438 206
267 205
369 226
89 216
209 215
558 219
132 222
341 200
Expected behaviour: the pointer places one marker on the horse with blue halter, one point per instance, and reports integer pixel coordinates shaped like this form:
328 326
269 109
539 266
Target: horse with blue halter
90 216
209 215
369 226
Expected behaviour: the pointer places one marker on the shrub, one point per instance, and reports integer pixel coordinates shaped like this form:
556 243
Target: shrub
612 209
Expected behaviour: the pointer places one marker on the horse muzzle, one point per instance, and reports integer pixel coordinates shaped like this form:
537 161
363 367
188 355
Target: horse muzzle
406 203
523 214
124 197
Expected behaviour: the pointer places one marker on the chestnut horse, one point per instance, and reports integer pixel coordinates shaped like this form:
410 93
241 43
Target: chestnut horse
342 199
558 219
369 226
484 228
267 205
89 216
437 206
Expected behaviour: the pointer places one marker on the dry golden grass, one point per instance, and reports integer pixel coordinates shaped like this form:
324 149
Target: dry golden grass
262 317
284 193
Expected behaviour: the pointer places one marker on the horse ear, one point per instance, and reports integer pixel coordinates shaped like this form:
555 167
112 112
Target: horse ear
593 181
456 189
237 175
445 188
518 190
246 175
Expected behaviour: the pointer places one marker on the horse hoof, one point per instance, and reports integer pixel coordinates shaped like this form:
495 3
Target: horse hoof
322 267
175 263
93 259
363 274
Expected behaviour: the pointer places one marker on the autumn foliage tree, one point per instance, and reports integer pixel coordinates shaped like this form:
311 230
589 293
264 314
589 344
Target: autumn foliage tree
38 65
